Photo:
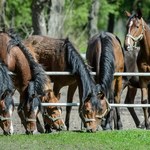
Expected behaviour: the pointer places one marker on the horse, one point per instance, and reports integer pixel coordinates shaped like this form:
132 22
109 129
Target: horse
6 100
61 55
138 34
105 55
29 77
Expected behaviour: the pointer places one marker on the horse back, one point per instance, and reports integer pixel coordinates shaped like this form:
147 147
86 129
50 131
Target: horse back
51 53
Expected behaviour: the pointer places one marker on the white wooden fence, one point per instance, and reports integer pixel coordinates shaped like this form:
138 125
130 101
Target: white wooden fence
93 73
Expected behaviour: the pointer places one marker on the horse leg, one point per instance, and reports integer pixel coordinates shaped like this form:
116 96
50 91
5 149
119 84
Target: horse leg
71 90
20 111
149 99
107 122
131 92
117 98
144 100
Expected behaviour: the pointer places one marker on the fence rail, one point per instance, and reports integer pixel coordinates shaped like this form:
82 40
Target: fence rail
94 73
77 104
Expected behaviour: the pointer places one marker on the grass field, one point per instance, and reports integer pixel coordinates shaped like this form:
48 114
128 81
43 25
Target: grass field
102 140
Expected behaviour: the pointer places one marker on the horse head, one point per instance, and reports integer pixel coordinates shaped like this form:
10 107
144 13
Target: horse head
52 114
135 30
29 110
92 114
6 112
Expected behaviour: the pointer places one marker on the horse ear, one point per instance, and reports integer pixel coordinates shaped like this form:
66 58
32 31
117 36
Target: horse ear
4 94
127 14
101 94
58 96
50 93
139 13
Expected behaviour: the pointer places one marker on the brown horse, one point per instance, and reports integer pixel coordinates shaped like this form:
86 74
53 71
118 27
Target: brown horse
30 79
60 55
138 33
6 100
105 55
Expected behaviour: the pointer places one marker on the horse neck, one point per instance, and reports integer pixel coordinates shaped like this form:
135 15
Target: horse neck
4 39
145 42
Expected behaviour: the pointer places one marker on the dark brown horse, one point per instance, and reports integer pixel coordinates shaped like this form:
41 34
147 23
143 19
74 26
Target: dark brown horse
138 33
30 78
60 55
105 56
6 100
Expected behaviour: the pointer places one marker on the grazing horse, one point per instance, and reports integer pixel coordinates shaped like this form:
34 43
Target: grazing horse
6 100
60 55
30 78
138 33
105 55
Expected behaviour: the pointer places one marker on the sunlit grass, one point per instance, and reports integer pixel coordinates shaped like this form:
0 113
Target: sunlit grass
103 140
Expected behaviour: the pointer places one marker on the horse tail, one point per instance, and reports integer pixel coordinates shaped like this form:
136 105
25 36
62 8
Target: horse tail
39 77
98 48
106 63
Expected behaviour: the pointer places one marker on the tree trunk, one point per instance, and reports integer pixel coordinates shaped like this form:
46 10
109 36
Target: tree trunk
55 22
2 13
38 18
93 18
111 21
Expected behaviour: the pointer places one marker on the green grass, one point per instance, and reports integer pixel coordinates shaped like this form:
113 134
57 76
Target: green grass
102 140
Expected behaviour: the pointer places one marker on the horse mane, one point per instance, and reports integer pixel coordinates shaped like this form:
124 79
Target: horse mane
5 79
6 86
32 96
107 66
78 67
39 77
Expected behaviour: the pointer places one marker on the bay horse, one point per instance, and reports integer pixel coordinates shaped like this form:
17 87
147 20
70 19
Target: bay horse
6 100
138 33
28 75
61 55
105 55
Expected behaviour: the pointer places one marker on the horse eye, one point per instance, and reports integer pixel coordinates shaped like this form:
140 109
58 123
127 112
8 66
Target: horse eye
53 112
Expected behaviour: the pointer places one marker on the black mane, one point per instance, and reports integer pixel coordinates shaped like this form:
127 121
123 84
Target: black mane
6 85
5 79
79 68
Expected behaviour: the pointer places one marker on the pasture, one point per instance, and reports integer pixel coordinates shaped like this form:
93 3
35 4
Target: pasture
114 140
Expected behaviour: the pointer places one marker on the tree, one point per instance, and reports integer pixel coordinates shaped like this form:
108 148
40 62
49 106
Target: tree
93 18
47 17
55 20
38 18
2 13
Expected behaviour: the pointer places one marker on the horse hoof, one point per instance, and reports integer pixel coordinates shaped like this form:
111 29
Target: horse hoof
141 126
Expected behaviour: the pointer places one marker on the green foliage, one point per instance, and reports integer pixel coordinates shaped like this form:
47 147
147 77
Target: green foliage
105 8
18 15
76 22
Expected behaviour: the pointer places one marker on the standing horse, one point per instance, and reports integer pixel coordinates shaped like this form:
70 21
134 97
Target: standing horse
138 32
6 100
27 70
60 55
105 55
